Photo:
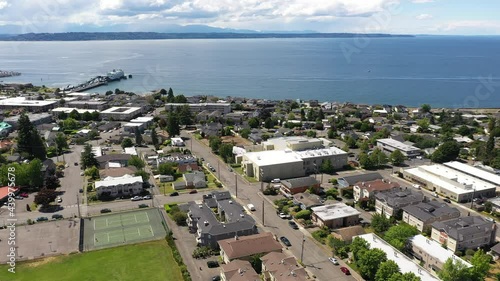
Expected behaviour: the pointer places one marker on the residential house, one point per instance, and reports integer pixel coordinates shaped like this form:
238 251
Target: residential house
5 129
245 247
211 129
365 190
347 233
495 252
335 215
189 167
307 200
430 253
464 233
47 165
117 172
299 185
424 214
164 178
277 266
195 179
350 181
238 270
121 159
115 187
391 202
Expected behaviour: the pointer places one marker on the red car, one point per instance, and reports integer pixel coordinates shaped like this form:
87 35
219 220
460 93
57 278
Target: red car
24 194
345 270
193 191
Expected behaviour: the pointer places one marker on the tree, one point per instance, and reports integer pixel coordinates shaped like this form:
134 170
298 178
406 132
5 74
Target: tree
170 95
397 158
253 122
268 123
51 180
351 142
74 115
214 142
166 169
184 115
179 218
226 152
369 261
398 235
446 152
331 134
92 172
34 173
464 130
45 196
256 262
378 158
245 133
61 143
423 125
180 99
154 137
29 142
454 270
480 264
366 161
88 158
358 246
408 276
127 142
70 124
380 223
488 207
425 108
172 125
136 162
138 136
386 270
326 167
304 214
311 134
364 147
144 175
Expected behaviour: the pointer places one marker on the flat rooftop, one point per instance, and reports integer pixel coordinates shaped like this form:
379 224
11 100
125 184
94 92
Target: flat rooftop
312 153
142 119
130 124
435 249
273 157
473 171
334 211
70 109
121 110
118 181
22 101
450 179
282 142
405 264
397 144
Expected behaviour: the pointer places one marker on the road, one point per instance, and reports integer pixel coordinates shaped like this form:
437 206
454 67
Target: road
315 257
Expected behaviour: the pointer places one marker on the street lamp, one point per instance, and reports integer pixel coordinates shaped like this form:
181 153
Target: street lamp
302 251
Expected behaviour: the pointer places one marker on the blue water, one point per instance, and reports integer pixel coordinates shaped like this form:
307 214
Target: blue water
442 71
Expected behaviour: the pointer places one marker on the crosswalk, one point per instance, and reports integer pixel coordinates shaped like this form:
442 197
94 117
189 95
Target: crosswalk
70 206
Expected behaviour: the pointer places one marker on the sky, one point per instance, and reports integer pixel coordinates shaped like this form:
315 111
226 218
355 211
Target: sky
445 17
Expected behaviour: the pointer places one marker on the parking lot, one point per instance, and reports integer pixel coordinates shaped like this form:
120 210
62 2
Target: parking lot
42 239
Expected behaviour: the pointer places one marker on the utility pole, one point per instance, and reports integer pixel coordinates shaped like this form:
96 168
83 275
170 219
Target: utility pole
236 181
218 169
78 202
302 251
261 186
263 222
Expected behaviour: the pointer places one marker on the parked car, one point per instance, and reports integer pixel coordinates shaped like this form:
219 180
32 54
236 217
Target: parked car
285 241
293 225
334 261
81 190
136 198
147 197
447 200
42 219
435 194
76 163
57 216
18 197
24 194
212 264
193 191
251 207
216 278
82 173
143 206
58 199
345 270
106 210
276 181
284 216
174 194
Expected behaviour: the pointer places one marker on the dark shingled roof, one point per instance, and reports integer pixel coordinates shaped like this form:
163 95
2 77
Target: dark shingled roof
464 226
425 211
351 180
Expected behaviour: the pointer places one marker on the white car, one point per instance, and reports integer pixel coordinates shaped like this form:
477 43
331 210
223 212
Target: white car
136 198
284 216
334 261
251 207
276 181
58 199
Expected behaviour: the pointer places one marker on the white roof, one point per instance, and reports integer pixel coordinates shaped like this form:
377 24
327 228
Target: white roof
133 124
142 119
121 110
22 101
114 165
97 151
69 109
405 264
177 140
130 150
78 94
84 131
273 157
397 144
479 173
320 152
435 250
450 179
334 211
111 181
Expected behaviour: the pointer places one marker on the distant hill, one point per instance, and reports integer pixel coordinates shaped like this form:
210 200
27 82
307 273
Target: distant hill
88 36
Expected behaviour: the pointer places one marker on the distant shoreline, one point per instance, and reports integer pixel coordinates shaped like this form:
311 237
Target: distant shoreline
109 36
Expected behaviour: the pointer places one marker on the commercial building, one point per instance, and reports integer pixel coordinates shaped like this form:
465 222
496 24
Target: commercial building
278 266
194 108
146 120
126 185
350 181
35 118
464 233
80 96
208 229
132 127
391 145
335 215
431 254
28 104
391 202
121 159
405 264
365 190
68 110
121 113
238 270
455 180
247 246
298 185
424 214
88 104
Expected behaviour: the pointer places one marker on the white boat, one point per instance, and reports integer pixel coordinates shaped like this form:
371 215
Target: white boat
116 74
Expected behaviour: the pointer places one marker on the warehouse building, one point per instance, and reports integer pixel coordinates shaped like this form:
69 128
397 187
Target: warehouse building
28 104
194 108
121 113
391 145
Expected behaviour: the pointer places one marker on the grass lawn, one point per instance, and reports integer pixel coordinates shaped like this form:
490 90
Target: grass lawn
132 262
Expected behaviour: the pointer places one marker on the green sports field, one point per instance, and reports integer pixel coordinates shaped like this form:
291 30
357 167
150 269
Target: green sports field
152 261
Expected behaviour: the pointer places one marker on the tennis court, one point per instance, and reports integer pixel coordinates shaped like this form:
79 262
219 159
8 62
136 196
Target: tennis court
123 228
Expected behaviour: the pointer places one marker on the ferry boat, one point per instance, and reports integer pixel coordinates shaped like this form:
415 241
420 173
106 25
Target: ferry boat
116 74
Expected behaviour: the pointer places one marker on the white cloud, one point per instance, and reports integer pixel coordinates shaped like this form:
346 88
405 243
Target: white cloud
4 4
424 17
110 4
422 1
